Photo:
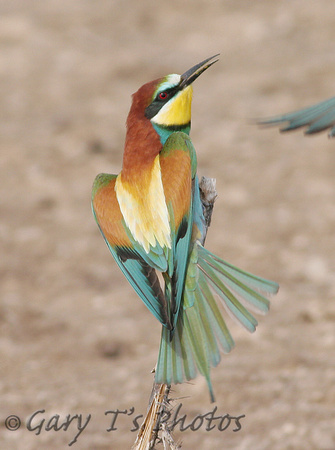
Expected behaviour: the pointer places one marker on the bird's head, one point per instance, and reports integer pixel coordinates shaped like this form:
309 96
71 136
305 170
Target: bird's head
166 102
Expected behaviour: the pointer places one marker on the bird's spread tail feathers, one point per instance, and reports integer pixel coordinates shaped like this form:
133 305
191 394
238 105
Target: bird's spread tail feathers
201 332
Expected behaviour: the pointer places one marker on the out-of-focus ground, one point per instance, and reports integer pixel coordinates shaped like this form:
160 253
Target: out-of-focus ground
74 336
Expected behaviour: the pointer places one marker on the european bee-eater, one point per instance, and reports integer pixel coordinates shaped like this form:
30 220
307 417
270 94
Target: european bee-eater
317 118
151 218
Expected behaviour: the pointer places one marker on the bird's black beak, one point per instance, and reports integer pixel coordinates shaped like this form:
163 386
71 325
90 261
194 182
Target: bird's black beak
192 74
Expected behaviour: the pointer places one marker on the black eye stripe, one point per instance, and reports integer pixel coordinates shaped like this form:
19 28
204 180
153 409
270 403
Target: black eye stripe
169 93
158 102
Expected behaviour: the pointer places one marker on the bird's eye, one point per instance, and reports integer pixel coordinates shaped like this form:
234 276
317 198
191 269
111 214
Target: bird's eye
163 95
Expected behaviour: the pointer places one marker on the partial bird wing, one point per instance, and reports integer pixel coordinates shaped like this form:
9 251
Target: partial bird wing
139 273
316 118
178 167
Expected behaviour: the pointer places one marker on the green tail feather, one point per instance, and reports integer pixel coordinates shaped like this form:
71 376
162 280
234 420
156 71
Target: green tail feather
201 332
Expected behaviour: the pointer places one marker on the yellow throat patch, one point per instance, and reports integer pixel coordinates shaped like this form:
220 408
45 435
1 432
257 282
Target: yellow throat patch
177 111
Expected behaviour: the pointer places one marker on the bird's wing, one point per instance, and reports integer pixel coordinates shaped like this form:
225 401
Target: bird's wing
316 118
140 274
178 168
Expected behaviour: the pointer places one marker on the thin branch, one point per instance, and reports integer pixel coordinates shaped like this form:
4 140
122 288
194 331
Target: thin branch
152 429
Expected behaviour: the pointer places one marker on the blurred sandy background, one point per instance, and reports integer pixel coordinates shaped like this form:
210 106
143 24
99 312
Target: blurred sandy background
74 336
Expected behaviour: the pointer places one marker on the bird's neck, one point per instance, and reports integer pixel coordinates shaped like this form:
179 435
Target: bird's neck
164 131
142 146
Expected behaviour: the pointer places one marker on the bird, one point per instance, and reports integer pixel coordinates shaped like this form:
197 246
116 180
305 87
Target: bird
315 118
151 218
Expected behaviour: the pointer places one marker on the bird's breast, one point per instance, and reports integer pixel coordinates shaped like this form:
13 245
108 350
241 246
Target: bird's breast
143 207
